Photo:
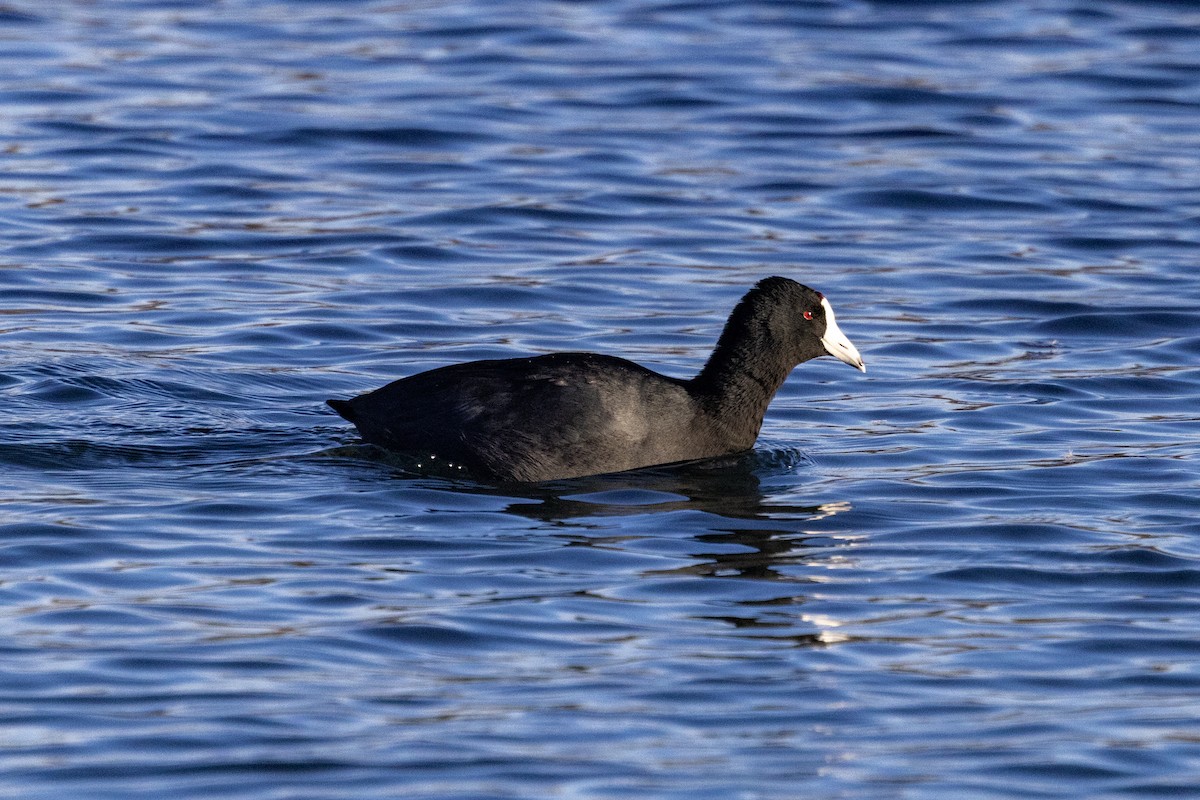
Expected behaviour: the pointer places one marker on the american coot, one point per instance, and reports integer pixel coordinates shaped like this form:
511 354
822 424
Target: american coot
565 415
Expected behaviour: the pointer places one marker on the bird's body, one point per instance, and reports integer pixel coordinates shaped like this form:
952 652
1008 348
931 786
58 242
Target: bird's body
595 408
567 415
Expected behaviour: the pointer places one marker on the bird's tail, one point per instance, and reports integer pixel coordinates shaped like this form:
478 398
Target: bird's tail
343 407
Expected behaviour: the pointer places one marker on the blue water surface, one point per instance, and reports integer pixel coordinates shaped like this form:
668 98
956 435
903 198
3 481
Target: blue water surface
973 572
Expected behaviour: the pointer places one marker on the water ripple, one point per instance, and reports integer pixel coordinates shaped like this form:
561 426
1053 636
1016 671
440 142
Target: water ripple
970 572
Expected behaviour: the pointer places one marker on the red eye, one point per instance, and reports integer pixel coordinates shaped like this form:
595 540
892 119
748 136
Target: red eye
808 315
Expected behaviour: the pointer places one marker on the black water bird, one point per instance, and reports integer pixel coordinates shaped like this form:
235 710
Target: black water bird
566 415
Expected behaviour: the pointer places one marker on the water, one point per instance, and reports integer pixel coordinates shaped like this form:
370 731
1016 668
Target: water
973 572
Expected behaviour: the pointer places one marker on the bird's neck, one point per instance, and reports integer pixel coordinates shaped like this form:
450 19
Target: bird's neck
736 386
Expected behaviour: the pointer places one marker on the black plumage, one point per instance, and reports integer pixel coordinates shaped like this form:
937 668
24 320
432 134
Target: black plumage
566 415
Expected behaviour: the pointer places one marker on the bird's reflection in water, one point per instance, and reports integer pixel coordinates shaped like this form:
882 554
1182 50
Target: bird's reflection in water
763 530
751 530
